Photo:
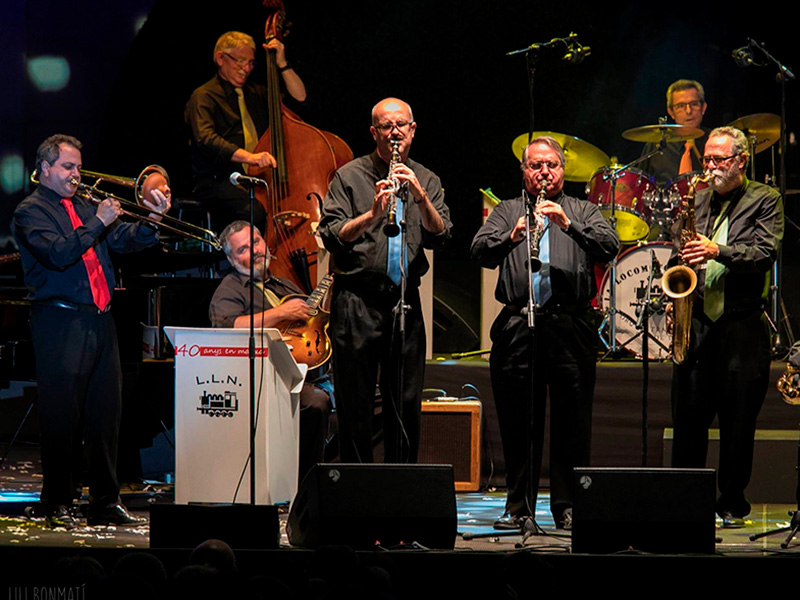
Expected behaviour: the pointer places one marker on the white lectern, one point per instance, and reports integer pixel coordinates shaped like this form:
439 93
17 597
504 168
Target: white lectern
212 416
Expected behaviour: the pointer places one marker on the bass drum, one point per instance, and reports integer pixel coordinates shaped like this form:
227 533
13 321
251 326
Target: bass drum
633 271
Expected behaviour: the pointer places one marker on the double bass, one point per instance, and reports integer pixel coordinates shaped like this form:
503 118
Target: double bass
307 159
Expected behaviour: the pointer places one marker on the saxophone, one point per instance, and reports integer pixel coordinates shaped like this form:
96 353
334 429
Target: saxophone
680 281
391 228
789 382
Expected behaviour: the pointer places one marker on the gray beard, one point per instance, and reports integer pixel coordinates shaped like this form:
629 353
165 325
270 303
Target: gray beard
260 268
722 181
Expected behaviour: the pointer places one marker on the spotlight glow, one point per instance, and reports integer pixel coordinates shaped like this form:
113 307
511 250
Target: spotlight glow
12 173
49 73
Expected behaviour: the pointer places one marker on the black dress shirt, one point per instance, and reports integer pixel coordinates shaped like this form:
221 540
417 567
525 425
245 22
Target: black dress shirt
755 231
213 117
588 239
51 250
351 194
664 167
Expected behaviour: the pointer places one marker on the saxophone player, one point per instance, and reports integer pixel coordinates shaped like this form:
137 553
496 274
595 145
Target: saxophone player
564 343
725 374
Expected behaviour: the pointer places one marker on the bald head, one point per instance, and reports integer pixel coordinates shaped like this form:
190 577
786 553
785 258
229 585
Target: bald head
392 123
393 105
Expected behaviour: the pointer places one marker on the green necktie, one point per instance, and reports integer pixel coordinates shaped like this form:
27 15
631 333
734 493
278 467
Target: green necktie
714 292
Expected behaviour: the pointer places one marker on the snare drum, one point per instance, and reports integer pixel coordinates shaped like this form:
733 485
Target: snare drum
633 270
631 212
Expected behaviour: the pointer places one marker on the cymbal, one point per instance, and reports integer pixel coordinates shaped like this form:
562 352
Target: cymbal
765 127
583 159
670 133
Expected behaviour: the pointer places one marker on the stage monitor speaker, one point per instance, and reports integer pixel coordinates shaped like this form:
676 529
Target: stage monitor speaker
241 526
668 511
364 505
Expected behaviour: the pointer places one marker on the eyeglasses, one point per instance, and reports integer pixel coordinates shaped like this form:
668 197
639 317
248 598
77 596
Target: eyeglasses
241 62
717 160
537 166
387 127
681 106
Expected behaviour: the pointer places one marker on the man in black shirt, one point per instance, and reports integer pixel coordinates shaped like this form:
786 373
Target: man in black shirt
686 104
227 116
64 243
230 307
367 264
726 370
563 345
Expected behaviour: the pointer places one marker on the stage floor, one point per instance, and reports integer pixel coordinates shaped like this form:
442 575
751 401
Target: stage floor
20 482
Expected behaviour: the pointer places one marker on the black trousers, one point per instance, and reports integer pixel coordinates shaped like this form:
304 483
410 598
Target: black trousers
315 411
366 341
78 376
565 347
725 374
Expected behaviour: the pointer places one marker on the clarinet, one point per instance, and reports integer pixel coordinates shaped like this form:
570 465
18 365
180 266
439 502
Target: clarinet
534 232
392 229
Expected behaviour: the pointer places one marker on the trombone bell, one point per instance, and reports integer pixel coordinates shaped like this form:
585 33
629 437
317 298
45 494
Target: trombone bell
151 178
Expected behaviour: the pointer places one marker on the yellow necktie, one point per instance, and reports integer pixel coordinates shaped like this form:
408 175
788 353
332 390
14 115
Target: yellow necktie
249 128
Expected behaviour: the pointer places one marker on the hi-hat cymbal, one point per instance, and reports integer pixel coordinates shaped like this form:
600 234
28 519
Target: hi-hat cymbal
583 159
765 127
669 132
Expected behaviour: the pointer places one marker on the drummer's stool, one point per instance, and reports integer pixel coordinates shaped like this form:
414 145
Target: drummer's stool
194 212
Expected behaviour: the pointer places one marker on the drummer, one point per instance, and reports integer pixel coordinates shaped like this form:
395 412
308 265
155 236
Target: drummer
686 104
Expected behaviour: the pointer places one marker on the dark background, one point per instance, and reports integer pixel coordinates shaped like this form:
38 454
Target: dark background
128 87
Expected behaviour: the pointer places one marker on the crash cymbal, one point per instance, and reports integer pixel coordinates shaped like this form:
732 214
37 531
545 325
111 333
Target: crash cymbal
583 159
765 127
671 133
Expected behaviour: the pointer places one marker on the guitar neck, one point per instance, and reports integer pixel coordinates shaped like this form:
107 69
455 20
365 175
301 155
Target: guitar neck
319 293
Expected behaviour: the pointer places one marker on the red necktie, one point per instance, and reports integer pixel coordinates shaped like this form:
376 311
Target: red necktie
686 159
97 279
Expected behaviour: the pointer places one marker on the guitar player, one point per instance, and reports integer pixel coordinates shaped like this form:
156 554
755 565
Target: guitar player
230 307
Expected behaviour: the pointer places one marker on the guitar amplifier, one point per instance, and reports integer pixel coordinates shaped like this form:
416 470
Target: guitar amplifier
450 433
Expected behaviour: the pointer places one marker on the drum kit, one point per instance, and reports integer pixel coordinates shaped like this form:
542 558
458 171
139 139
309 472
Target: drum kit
642 212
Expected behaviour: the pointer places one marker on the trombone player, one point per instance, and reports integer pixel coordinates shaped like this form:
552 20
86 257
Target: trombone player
725 373
64 242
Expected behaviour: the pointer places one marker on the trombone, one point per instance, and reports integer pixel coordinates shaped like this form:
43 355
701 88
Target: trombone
151 178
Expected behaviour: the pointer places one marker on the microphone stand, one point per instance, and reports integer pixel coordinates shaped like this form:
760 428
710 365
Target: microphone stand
575 53
399 317
648 307
251 350
529 525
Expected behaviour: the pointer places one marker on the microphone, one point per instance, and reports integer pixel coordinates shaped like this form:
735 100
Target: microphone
237 178
575 52
744 55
